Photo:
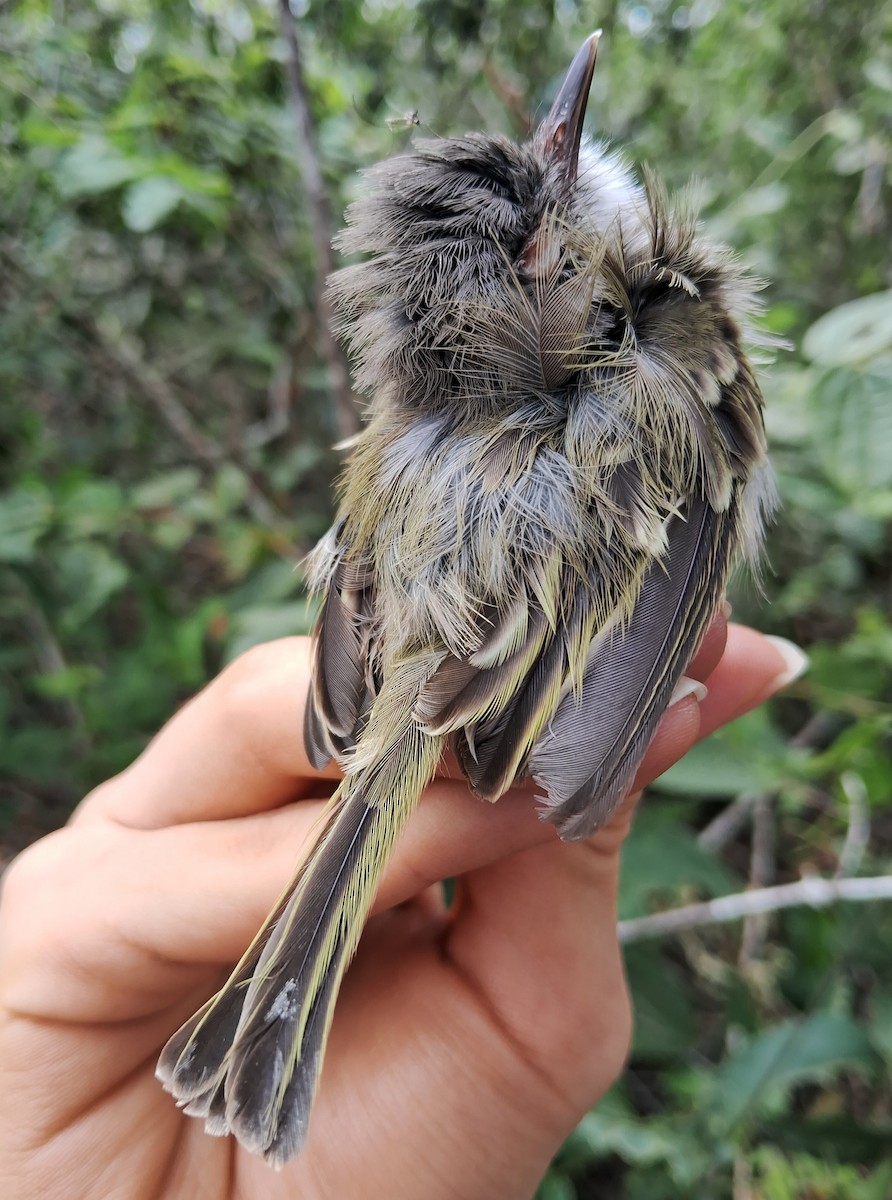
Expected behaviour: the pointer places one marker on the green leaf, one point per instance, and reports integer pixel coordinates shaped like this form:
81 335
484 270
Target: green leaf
665 1020
70 681
166 489
802 1177
853 415
264 624
880 1027
94 165
37 129
88 575
555 1186
173 531
90 507
191 177
851 333
853 1140
879 72
24 516
274 581
661 856
742 757
714 767
658 1141
149 201
793 1052
756 202
230 487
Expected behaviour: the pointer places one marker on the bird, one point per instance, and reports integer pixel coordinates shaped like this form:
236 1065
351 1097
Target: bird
563 459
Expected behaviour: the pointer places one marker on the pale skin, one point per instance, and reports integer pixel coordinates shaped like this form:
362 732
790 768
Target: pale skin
466 1044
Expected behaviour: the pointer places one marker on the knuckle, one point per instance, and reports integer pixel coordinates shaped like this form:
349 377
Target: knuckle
29 872
259 695
255 671
97 801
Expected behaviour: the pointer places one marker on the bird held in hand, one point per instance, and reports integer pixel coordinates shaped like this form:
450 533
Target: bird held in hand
564 456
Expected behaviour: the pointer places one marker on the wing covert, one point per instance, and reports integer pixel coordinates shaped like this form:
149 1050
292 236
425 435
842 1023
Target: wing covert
343 684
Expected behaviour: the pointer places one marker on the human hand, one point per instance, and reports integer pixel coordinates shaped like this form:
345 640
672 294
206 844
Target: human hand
467 1043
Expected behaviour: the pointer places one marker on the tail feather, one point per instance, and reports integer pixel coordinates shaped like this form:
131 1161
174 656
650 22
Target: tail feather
248 1062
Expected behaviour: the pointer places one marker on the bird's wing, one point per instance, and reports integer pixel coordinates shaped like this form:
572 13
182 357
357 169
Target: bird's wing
587 757
581 730
344 682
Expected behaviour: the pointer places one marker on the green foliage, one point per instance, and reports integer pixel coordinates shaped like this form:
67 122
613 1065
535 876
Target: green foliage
164 461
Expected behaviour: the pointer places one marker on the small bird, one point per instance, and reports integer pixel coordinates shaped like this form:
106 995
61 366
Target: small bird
564 457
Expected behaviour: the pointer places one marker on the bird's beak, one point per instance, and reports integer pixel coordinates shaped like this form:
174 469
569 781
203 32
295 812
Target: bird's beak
562 128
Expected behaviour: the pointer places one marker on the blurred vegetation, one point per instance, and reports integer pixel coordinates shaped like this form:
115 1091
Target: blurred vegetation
165 436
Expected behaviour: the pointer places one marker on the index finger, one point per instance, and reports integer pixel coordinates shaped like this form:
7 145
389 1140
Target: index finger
235 749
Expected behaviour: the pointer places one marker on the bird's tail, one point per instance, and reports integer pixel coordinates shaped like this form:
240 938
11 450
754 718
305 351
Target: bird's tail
249 1060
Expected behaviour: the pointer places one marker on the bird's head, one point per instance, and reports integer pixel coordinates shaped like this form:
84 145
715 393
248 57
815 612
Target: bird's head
483 260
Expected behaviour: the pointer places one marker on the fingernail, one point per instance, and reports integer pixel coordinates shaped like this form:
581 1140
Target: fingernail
794 657
688 687
727 610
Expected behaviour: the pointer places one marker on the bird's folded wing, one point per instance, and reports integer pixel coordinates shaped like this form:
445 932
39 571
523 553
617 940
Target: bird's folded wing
580 728
343 684
586 759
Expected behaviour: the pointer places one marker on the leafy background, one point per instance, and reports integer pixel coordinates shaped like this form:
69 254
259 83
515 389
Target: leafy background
165 434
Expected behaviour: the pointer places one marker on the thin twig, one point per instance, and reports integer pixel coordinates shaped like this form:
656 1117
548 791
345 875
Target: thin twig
276 421
793 151
858 829
49 656
321 222
814 892
761 874
815 733
510 95
156 388
725 827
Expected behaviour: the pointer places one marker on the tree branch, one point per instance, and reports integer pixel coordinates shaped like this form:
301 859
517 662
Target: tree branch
321 222
814 892
156 388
